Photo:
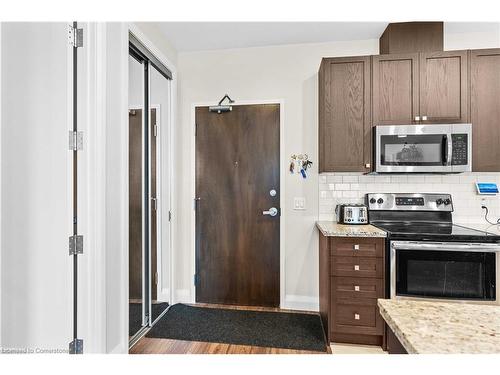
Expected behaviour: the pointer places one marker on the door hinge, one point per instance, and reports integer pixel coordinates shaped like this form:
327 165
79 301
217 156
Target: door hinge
75 36
156 278
76 346
155 130
196 279
75 140
169 215
76 244
196 200
195 129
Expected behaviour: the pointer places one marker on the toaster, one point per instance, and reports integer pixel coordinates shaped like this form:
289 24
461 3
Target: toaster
352 214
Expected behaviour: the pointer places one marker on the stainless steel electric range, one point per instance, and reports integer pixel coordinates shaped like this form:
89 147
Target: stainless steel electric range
429 257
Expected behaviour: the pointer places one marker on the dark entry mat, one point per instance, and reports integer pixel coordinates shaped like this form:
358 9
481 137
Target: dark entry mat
135 315
241 327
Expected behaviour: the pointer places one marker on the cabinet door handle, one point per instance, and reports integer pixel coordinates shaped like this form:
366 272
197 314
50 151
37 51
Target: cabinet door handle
356 316
356 267
417 118
424 118
356 288
356 247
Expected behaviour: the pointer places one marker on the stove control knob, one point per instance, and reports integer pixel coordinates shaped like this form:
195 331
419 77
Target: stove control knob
447 201
439 202
373 200
380 201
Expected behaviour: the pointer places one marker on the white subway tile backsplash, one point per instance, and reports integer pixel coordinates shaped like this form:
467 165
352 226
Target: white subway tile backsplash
433 179
350 179
342 186
335 188
334 179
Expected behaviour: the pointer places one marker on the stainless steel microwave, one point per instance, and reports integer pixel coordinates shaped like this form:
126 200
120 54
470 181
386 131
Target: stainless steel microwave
438 148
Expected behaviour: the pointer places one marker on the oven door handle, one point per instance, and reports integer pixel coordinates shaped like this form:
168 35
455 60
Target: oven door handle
446 246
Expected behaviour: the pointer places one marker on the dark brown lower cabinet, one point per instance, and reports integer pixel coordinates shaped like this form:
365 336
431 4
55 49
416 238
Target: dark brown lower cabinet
351 280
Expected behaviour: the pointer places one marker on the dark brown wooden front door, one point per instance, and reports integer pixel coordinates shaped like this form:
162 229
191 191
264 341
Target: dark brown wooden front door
237 166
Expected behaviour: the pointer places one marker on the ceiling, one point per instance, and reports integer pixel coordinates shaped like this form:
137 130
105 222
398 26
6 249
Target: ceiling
198 36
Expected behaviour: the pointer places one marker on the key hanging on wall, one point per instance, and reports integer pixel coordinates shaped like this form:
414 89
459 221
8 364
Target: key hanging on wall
300 163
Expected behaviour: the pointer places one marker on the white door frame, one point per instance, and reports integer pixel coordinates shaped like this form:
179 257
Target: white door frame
281 103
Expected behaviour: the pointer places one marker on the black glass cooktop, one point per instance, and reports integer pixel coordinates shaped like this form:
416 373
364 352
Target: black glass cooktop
447 231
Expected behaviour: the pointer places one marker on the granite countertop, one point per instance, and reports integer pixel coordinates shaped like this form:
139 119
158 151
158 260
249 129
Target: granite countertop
425 327
334 229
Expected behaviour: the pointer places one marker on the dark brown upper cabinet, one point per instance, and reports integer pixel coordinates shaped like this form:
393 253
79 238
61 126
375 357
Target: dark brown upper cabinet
344 114
485 109
409 37
395 89
422 88
443 87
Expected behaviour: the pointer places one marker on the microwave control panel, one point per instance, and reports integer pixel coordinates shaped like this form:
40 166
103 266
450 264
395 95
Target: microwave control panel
459 155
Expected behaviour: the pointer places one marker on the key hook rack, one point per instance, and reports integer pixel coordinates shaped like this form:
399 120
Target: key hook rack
300 163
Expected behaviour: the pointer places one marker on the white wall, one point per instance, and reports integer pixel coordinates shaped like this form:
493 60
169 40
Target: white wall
471 40
281 72
35 193
277 72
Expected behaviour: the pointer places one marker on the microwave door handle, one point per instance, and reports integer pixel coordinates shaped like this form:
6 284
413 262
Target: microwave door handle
446 149
450 149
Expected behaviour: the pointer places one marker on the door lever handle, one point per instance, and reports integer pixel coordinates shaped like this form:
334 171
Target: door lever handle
273 211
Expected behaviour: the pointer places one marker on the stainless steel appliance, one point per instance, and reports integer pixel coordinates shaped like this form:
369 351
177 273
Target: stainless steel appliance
429 257
351 214
437 148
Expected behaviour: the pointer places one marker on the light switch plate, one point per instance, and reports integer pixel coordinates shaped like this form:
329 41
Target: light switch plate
299 203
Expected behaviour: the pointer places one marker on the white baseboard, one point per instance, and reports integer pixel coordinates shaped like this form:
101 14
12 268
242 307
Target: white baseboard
297 302
163 295
119 349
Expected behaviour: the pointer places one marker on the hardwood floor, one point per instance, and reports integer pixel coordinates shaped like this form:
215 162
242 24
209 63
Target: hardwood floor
148 345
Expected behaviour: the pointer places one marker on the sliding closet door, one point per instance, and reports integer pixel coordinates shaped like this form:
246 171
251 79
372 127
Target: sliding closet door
138 279
159 106
36 195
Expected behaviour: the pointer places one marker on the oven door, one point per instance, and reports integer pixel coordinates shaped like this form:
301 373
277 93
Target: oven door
413 148
444 270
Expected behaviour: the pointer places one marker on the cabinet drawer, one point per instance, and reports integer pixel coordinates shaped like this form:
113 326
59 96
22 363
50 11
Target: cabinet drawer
363 247
357 267
356 318
357 287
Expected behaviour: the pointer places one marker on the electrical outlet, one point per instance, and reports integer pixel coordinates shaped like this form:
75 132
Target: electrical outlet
299 203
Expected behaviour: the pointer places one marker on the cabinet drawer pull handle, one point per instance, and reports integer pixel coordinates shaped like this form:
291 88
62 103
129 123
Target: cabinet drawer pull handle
356 247
356 288
356 267
356 316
